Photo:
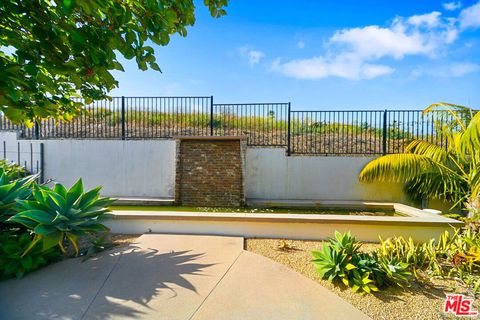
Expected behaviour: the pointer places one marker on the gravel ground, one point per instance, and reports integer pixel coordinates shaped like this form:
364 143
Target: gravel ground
123 239
420 301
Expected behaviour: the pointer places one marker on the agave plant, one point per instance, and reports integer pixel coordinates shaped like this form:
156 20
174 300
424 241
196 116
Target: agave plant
450 172
362 283
332 264
58 214
345 243
11 192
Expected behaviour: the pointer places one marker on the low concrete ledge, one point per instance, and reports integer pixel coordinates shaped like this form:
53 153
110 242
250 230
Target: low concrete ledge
136 201
286 218
291 226
313 203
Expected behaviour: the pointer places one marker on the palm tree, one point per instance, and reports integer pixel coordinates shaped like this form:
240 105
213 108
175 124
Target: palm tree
450 172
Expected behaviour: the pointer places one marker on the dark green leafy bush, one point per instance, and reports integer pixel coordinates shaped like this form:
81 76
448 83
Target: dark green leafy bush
36 220
14 261
58 214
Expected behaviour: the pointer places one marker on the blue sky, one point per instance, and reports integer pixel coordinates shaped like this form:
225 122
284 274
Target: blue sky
370 54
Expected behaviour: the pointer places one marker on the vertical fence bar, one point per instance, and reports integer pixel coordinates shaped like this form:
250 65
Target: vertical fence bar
211 115
384 133
123 118
31 157
42 163
37 130
289 151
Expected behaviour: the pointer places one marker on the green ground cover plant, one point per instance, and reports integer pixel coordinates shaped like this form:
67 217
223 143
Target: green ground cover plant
37 221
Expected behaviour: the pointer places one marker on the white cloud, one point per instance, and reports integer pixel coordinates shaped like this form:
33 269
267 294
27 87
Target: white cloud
377 42
430 20
451 6
457 69
301 44
461 69
416 73
354 53
253 56
343 66
470 17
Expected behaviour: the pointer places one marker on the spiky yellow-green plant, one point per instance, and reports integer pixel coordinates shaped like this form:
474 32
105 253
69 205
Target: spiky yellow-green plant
450 172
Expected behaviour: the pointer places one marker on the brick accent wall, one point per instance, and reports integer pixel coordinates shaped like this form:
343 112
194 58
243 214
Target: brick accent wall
210 172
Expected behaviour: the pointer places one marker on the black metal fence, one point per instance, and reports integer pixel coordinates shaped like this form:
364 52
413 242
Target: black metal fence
265 124
28 155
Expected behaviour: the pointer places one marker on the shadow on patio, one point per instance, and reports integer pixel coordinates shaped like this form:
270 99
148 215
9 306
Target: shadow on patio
125 282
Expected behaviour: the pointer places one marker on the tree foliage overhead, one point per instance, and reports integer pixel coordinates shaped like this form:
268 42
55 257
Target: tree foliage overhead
54 50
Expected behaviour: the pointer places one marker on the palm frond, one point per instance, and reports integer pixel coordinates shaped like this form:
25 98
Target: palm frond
437 185
475 181
470 140
458 113
430 150
430 170
396 167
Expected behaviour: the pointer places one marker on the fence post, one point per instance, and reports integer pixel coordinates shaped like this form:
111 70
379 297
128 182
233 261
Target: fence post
42 163
211 115
123 118
289 150
384 133
37 130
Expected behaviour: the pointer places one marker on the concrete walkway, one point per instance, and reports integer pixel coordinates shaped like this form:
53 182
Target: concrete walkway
171 277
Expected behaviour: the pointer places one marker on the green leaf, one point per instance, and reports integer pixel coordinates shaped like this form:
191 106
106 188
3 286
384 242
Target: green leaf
26 262
74 193
60 189
350 266
52 239
45 230
39 216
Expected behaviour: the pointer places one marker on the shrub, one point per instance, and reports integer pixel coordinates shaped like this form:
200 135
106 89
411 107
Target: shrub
12 170
59 214
36 220
455 256
13 259
341 259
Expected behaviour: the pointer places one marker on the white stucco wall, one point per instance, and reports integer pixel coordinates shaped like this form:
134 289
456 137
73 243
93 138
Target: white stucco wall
142 168
270 174
29 150
146 168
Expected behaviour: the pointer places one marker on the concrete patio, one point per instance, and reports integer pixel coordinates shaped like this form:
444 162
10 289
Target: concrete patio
171 277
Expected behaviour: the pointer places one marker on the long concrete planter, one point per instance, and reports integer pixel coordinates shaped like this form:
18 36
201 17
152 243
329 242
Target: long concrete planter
419 225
